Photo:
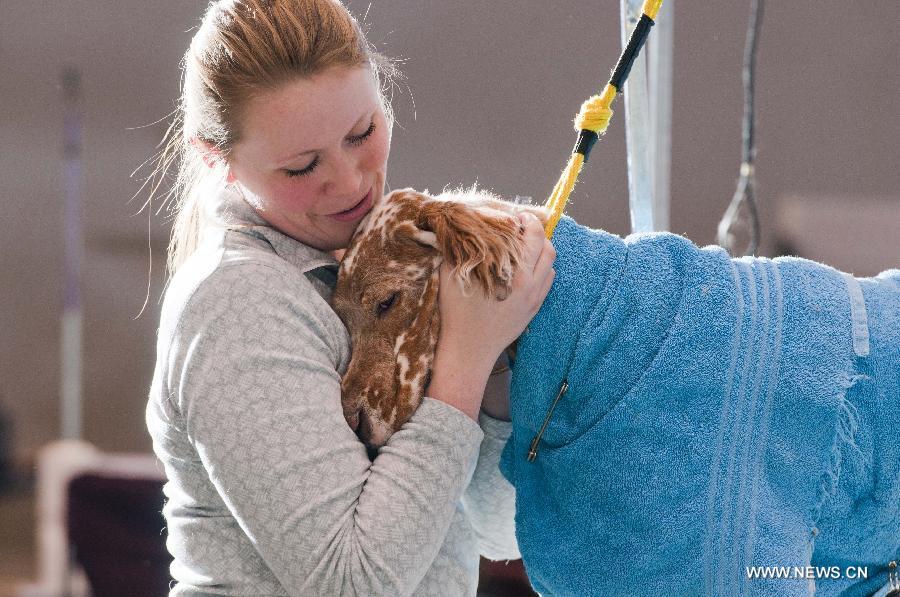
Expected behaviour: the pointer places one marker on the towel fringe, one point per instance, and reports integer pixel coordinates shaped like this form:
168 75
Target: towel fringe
845 435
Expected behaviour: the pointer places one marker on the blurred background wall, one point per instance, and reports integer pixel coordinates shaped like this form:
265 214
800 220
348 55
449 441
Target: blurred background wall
491 89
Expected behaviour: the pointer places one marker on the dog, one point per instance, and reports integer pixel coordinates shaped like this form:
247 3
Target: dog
677 415
387 289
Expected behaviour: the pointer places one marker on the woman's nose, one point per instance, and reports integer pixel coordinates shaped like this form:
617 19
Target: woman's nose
347 177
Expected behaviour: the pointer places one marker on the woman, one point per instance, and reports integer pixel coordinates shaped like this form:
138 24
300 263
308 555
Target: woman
284 147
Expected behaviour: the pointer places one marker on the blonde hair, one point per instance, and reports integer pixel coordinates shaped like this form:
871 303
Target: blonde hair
243 48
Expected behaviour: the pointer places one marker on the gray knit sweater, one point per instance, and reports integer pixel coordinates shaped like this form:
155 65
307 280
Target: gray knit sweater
269 492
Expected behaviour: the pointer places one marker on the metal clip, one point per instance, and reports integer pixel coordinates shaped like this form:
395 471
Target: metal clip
532 450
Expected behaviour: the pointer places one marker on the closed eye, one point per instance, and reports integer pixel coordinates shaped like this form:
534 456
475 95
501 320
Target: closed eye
385 305
359 139
305 171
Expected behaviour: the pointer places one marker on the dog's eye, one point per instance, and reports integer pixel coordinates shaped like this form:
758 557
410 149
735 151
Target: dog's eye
386 304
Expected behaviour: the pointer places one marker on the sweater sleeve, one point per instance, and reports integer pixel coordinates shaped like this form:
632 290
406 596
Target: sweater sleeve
490 500
252 371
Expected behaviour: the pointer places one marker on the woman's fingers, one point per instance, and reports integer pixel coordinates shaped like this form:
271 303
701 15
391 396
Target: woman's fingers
541 292
546 257
537 273
533 235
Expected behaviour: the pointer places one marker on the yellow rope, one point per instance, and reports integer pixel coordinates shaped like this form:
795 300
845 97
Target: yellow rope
651 8
595 112
557 202
594 116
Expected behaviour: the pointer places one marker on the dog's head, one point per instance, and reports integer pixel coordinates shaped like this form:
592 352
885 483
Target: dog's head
387 294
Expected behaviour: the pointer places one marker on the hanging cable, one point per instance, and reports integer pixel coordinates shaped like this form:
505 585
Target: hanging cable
733 219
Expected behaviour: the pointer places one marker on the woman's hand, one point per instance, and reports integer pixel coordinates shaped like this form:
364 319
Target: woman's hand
476 328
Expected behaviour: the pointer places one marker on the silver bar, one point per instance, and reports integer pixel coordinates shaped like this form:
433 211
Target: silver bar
648 109
637 129
660 52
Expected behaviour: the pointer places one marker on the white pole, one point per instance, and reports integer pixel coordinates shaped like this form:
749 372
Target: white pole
659 57
648 122
71 324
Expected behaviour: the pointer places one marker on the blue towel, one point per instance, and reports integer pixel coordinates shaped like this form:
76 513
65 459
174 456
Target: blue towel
721 414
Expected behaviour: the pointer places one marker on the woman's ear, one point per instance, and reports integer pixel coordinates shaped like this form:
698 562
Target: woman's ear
212 157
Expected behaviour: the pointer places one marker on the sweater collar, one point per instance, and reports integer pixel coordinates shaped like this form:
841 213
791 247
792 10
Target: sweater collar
232 212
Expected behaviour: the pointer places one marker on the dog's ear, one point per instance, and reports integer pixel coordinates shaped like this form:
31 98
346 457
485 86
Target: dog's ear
483 245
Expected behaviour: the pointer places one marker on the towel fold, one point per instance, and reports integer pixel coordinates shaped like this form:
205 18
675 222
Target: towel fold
721 414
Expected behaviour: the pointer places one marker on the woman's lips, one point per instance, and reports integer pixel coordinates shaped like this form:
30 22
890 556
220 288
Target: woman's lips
355 212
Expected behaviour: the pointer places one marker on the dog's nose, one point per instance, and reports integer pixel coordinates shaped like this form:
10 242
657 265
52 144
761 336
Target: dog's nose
363 427
366 433
353 420
371 433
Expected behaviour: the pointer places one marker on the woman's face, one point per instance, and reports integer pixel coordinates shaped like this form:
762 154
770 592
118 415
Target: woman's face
312 155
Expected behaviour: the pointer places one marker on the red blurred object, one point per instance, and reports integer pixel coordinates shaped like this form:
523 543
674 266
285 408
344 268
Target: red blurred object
117 530
503 579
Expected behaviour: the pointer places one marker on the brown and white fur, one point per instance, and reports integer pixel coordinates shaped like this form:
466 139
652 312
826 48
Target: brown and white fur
387 292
